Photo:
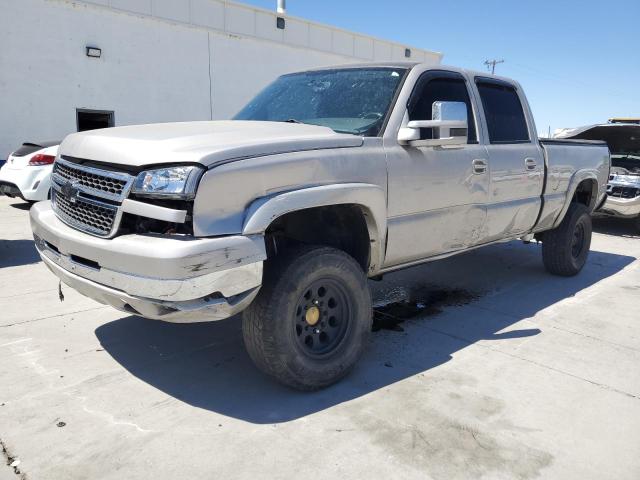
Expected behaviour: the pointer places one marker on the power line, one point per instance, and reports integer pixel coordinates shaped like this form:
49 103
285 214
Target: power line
491 64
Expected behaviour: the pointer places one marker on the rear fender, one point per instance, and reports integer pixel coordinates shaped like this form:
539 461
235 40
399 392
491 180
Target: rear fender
579 177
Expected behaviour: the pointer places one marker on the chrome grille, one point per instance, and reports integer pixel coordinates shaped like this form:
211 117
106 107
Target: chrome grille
88 198
623 192
91 180
92 217
102 183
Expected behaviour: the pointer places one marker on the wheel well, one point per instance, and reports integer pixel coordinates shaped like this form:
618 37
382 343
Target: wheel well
339 226
586 193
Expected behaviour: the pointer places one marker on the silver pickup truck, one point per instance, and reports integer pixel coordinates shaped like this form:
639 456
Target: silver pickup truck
327 178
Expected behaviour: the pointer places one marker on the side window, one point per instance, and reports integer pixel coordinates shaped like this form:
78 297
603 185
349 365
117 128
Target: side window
504 113
440 90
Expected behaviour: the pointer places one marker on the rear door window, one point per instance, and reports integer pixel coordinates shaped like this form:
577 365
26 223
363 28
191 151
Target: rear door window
504 113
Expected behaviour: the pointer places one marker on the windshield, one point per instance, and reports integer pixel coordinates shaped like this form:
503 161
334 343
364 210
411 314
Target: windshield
354 100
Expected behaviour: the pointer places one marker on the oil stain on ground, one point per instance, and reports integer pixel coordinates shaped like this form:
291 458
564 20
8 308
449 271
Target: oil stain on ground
400 304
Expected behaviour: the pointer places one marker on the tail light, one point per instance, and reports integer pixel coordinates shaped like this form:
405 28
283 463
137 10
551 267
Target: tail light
41 159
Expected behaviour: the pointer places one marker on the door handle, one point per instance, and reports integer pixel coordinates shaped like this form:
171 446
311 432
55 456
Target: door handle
530 163
479 165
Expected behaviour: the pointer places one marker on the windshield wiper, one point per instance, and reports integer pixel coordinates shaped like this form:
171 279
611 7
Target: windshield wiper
291 120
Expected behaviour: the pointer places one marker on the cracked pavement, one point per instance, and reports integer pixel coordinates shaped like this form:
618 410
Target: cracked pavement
534 377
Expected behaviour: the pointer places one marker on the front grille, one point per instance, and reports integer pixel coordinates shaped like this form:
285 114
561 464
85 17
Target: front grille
88 198
624 192
86 215
108 182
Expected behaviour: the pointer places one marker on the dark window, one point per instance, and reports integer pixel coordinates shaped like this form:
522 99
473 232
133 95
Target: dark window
504 113
440 90
28 148
93 119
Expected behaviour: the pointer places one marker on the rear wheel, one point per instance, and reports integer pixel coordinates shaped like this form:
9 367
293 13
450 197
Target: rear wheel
566 248
311 320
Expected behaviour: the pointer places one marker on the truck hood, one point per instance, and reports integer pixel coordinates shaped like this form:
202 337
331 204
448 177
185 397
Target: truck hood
623 140
208 143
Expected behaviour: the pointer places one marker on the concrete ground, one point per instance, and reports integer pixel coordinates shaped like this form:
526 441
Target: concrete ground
512 373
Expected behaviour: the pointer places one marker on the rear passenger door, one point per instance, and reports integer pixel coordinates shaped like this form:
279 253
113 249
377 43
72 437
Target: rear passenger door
515 157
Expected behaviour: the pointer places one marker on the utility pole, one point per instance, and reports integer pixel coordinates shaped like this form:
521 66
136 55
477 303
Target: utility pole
491 65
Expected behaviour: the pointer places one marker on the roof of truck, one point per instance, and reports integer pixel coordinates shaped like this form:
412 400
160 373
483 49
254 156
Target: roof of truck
410 65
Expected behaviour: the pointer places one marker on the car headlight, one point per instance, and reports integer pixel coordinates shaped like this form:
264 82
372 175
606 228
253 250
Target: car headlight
172 182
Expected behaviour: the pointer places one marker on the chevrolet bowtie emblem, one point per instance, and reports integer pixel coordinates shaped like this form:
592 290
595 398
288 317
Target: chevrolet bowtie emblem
70 191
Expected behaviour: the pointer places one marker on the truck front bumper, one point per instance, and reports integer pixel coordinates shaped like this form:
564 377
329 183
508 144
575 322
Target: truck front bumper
621 207
172 278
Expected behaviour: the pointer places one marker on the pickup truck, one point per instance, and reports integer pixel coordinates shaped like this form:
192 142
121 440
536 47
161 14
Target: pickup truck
327 178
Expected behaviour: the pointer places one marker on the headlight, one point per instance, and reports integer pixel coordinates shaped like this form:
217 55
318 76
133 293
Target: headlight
173 182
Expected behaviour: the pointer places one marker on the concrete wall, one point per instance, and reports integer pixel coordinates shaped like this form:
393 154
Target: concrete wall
162 60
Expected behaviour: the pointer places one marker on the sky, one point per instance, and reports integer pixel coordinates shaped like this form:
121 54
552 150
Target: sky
578 61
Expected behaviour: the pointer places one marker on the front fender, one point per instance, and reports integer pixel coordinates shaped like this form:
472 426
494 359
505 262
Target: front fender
371 198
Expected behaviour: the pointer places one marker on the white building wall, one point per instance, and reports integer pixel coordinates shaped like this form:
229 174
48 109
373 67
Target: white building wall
162 60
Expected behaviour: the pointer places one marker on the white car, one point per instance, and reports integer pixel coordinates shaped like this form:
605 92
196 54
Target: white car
27 172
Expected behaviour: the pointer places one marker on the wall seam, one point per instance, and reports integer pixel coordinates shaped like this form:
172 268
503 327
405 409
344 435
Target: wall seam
210 80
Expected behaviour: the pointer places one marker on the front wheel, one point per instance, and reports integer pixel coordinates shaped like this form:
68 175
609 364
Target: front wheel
565 249
312 318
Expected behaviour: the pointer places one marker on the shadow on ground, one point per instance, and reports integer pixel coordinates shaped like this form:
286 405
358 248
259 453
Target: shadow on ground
25 206
205 365
14 253
619 227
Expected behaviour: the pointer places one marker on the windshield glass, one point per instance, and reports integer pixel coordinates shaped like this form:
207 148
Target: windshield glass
354 100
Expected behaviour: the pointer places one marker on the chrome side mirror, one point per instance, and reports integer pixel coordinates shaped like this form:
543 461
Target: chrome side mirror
449 127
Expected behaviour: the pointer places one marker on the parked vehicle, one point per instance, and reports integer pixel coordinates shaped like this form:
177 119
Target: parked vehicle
27 172
633 120
326 178
623 189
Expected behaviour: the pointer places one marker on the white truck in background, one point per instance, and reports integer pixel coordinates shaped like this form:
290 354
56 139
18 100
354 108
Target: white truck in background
623 189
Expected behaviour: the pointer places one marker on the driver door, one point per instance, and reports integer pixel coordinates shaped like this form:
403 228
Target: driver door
437 199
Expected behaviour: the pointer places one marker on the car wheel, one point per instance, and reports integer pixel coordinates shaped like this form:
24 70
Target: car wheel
566 248
311 321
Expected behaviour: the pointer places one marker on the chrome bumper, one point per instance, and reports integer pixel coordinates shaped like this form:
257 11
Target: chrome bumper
163 278
621 207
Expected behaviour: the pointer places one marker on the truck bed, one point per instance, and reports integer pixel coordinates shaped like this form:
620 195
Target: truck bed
566 161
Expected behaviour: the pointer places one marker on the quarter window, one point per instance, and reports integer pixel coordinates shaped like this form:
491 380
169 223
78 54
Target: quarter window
504 113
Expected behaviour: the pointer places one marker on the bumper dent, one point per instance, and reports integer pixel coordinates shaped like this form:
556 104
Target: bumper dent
163 278
206 309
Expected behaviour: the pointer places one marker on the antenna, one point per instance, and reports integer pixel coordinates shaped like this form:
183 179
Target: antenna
491 64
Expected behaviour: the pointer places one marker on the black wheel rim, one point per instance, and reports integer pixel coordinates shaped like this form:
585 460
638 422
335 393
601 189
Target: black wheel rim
577 244
322 318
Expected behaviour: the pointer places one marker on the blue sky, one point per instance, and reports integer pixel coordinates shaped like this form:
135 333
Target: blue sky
578 61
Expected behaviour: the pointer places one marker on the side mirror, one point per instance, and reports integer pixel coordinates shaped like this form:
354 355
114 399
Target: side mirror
448 125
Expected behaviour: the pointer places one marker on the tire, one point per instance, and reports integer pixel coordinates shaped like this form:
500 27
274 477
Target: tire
636 223
565 249
303 344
